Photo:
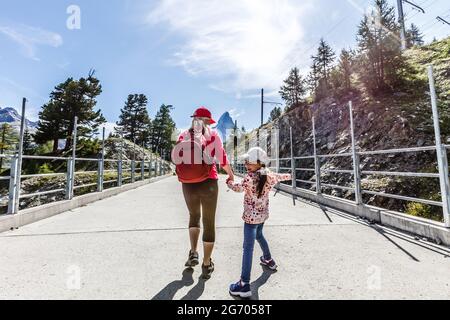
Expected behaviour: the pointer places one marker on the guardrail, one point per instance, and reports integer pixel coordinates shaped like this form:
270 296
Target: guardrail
357 173
137 171
155 167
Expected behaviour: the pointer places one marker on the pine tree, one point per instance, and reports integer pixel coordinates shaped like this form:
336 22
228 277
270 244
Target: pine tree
134 119
162 130
313 79
324 61
293 90
345 68
380 47
275 114
28 145
69 99
8 140
51 125
414 37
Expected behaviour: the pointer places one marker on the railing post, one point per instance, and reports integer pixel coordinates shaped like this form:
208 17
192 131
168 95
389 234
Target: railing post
100 171
133 171
119 173
69 180
143 170
356 164
150 169
120 163
316 159
12 200
441 152
101 166
293 168
159 167
278 150
13 208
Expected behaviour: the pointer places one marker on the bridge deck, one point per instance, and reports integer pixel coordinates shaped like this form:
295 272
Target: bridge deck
134 245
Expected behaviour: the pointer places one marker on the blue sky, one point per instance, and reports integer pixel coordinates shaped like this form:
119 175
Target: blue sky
185 53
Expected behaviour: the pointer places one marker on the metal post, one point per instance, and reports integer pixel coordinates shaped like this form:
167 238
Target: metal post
120 163
356 166
316 159
441 152
74 154
69 180
16 169
12 186
133 170
293 168
278 150
401 20
143 162
101 165
151 164
262 107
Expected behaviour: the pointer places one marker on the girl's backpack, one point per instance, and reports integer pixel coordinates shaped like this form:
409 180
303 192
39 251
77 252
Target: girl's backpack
192 164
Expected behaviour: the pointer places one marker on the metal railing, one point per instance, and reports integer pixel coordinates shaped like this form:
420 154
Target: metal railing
136 170
357 173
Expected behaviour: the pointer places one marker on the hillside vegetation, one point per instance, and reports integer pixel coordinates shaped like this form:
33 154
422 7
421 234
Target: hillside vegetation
395 119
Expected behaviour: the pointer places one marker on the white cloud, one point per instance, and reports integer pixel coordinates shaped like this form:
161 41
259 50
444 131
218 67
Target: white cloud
235 113
242 44
29 38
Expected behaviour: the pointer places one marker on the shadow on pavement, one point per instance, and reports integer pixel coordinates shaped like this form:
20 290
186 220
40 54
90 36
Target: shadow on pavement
196 292
169 291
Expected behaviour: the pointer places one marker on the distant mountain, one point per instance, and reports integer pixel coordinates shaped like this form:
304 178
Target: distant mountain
11 116
225 123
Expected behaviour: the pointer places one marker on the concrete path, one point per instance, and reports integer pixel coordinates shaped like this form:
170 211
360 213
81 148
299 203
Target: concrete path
134 245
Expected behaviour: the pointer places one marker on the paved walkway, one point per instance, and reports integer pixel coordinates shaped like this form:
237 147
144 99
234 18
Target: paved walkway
134 245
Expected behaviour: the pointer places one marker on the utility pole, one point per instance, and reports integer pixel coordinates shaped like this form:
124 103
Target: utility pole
401 19
262 107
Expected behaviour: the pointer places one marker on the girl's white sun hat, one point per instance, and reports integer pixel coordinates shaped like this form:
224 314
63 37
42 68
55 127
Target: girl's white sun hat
254 155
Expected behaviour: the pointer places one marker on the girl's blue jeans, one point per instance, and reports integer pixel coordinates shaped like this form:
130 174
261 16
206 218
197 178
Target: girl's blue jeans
253 232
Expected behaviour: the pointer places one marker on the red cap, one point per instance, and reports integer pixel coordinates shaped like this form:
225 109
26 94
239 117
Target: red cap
202 112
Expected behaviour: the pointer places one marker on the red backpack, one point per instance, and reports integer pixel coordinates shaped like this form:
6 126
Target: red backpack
197 168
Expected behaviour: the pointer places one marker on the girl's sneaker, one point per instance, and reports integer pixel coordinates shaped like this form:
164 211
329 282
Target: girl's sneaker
269 263
240 289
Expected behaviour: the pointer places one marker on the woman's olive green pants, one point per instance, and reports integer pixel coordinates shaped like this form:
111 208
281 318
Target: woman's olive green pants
201 200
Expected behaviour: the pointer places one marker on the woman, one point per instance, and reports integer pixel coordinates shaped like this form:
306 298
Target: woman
200 188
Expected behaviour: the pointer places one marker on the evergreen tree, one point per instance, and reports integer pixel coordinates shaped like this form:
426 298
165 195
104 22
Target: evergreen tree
275 114
380 47
414 37
8 140
162 129
51 125
69 99
323 60
345 68
313 79
28 145
134 119
293 89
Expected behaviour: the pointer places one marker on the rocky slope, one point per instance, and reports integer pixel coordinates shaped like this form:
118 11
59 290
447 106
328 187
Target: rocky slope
398 120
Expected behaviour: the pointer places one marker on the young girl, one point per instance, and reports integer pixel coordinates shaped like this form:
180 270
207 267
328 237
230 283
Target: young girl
257 185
